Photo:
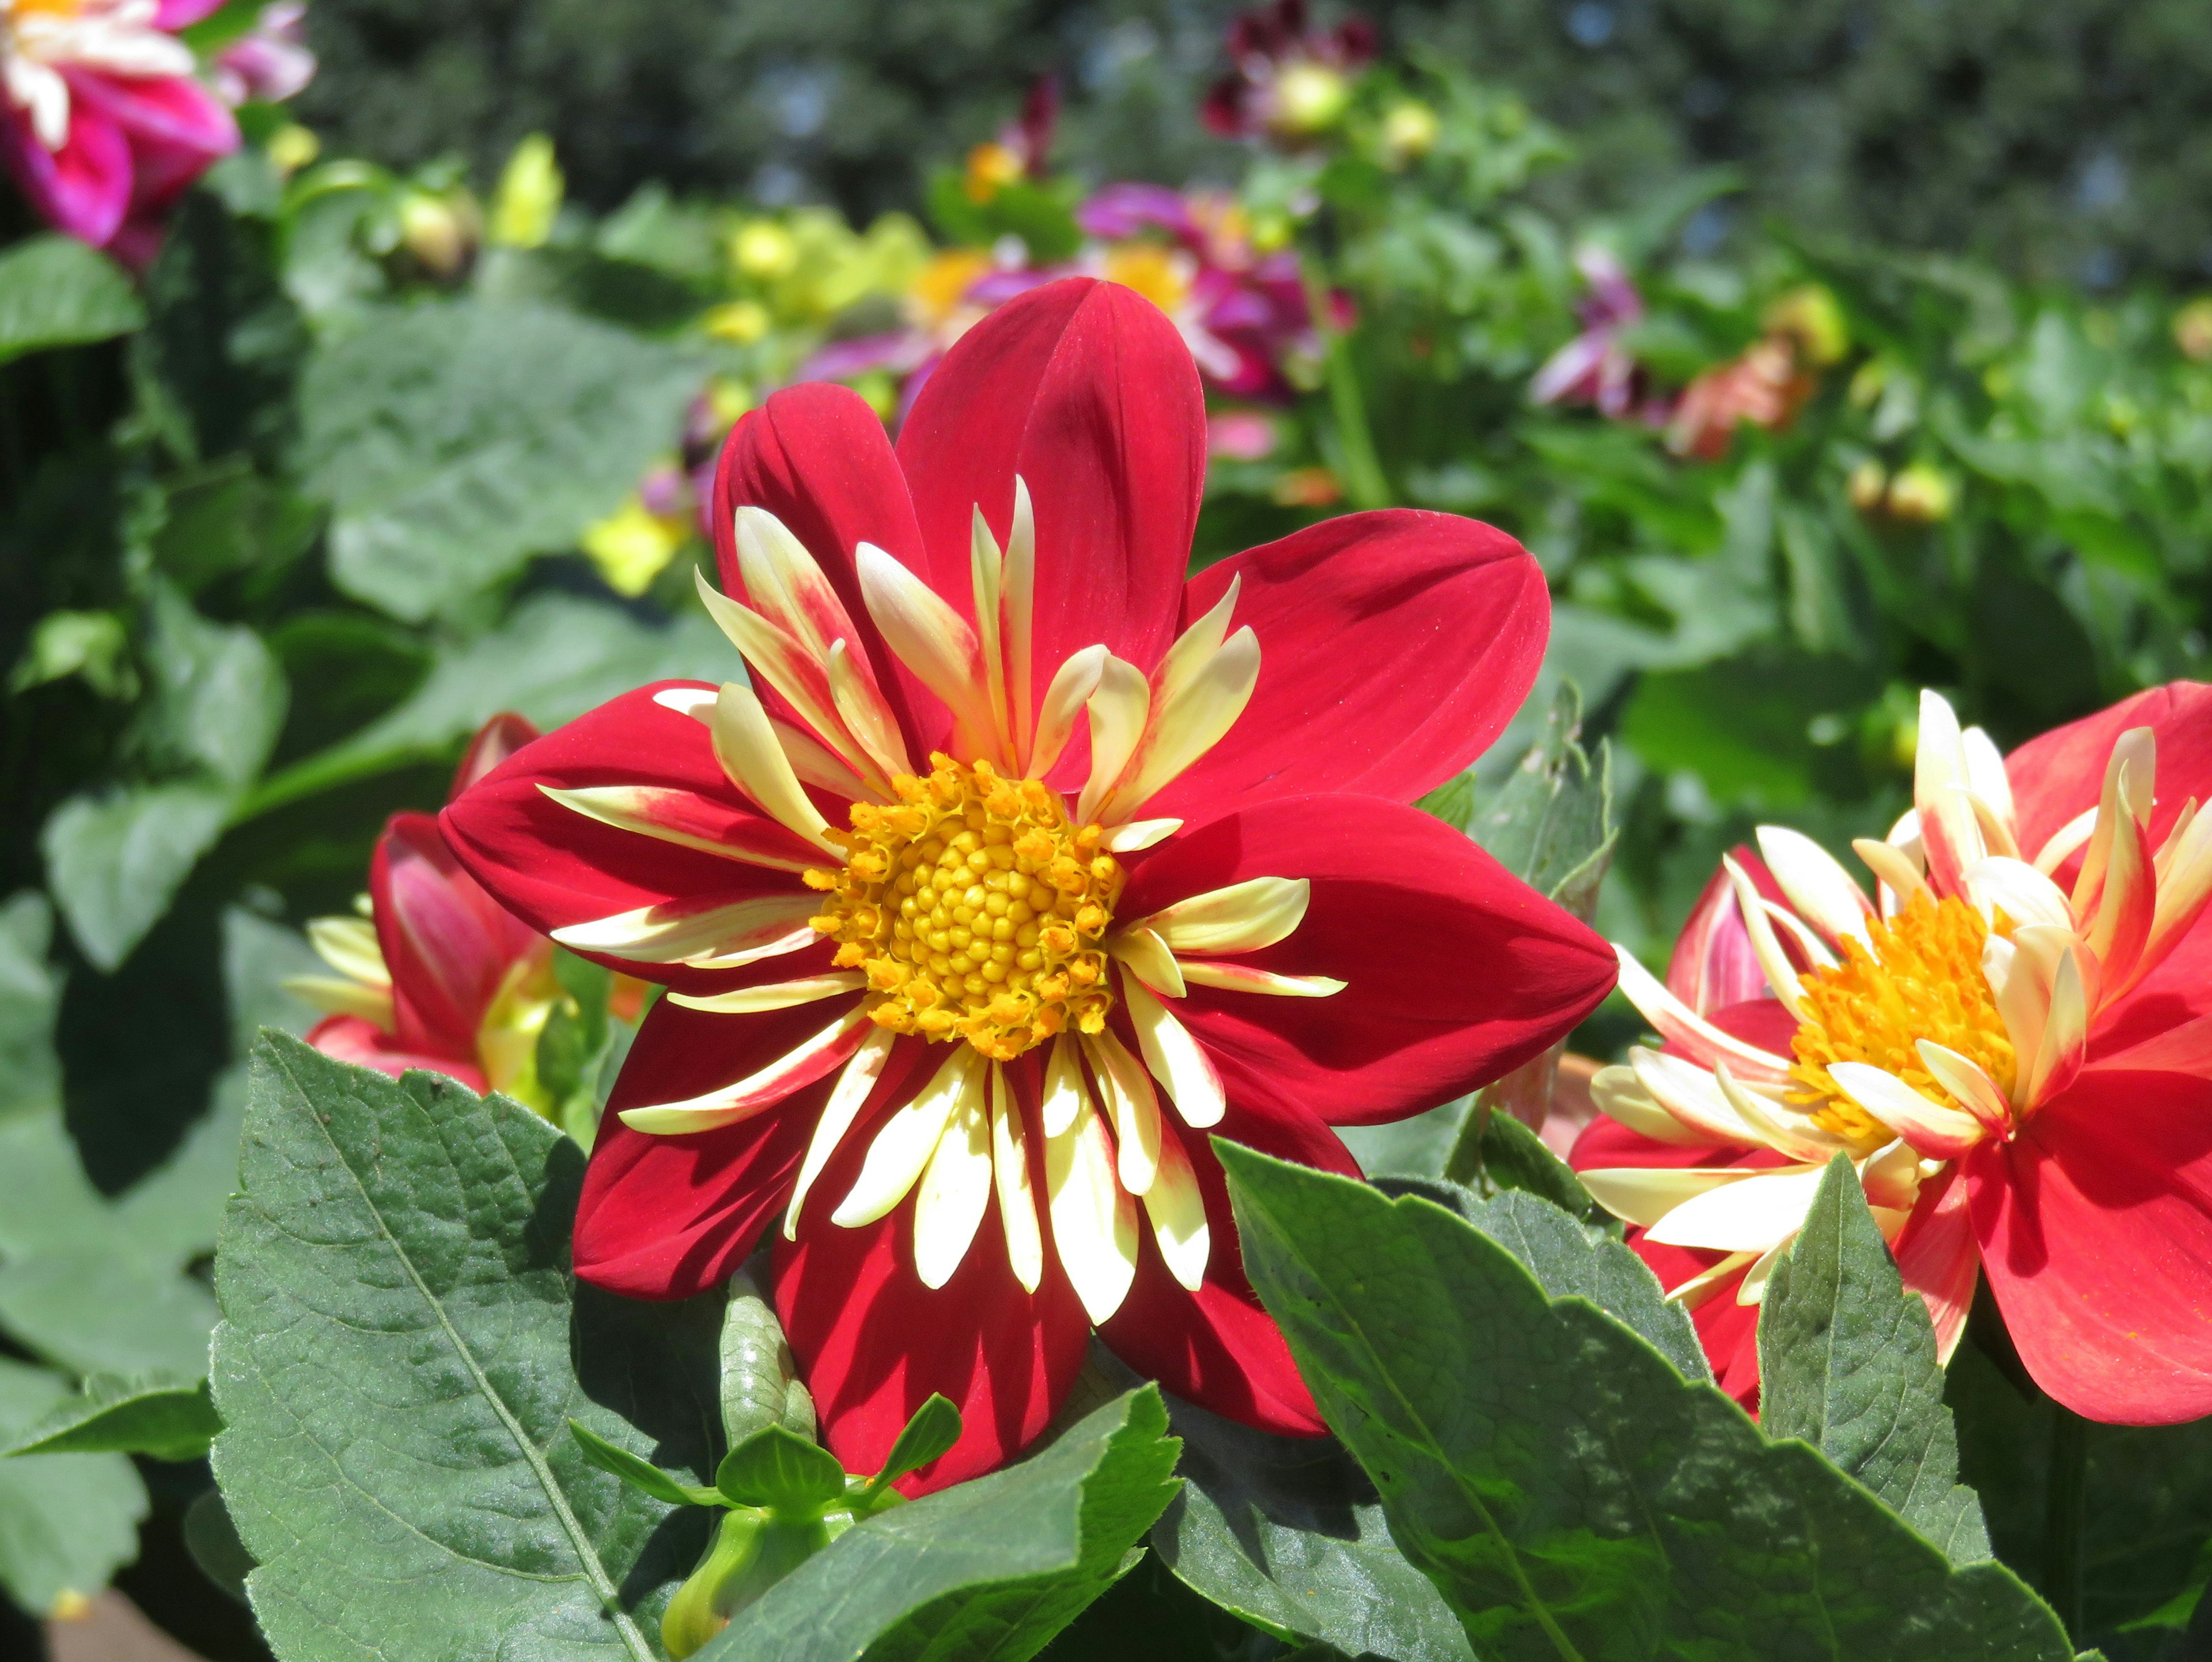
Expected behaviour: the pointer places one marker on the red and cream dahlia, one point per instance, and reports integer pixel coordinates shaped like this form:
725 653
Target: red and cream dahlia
435 973
2013 1041
1023 867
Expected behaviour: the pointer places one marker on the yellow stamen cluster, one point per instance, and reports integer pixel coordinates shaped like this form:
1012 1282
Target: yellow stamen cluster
1923 980
974 909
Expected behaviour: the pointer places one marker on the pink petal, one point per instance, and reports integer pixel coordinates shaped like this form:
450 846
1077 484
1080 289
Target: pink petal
1394 648
1712 965
176 128
447 943
84 189
1087 392
349 1039
1455 970
2062 773
2096 1232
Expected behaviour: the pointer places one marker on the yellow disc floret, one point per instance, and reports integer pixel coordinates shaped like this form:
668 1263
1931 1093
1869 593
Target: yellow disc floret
974 909
1922 979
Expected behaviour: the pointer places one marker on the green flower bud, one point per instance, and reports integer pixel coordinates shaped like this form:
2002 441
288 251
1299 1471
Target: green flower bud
753 1549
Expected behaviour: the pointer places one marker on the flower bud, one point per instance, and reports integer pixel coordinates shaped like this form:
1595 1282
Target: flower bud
762 248
1409 131
1810 316
1923 495
1868 480
2192 329
1309 99
753 1549
291 148
440 231
529 197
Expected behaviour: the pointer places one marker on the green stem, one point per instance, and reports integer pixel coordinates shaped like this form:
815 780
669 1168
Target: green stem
323 771
2065 1496
1364 480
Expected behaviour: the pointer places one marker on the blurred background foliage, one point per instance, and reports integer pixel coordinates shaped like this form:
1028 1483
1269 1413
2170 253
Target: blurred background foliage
2059 137
1819 353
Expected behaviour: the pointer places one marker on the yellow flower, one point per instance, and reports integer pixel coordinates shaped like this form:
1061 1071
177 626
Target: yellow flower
633 546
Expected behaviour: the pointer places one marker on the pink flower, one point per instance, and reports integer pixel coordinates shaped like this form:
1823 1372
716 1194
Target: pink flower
2011 1040
1595 367
103 125
272 63
1024 864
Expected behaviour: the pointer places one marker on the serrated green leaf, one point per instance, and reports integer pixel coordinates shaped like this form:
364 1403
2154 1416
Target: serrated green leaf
1570 1257
402 1349
780 1469
454 440
116 859
219 697
640 1474
1625 1500
1497 1152
1847 1362
67 1521
54 291
1551 823
988 1571
1287 1532
163 1416
935 1427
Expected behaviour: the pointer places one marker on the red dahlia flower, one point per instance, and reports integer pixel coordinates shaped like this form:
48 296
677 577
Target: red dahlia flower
1018 875
436 974
102 122
2014 1045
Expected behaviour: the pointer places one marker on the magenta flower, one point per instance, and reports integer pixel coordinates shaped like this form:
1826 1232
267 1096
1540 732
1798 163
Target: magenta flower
1291 82
1596 366
102 123
271 62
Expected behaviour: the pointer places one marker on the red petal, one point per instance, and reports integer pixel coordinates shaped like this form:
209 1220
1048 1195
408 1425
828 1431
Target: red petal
2062 774
495 740
817 458
1218 1346
553 867
1086 391
1766 1022
2096 1234
873 1343
349 1039
1394 648
666 1217
1457 971
446 943
1937 1255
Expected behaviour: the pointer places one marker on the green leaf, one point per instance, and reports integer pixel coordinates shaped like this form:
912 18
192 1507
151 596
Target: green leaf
1551 823
988 1571
30 996
161 1415
219 696
1495 1152
455 438
1624 1499
1847 1361
98 1284
553 658
782 1470
402 1349
935 1427
116 859
67 1521
1287 1532
54 291
1570 1258
639 1474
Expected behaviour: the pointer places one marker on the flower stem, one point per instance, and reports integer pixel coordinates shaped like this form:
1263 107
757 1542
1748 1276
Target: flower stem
2065 1496
1364 480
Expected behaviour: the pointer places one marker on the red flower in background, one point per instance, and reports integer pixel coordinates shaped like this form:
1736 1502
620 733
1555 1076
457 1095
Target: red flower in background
2013 1043
1019 876
103 125
1291 81
436 974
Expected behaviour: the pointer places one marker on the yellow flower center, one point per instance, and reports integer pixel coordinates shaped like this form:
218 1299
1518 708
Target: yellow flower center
974 909
1921 979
